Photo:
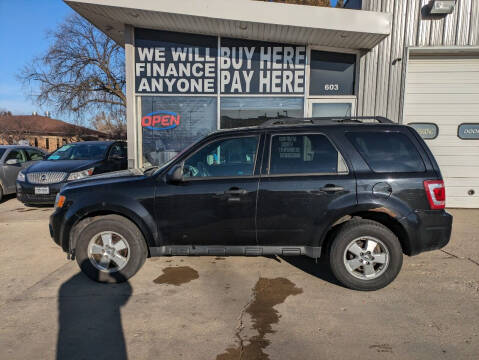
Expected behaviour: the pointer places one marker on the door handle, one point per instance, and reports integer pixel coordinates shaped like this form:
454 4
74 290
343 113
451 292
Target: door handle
236 192
331 188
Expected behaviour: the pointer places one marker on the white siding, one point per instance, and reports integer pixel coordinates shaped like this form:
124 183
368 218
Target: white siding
445 90
381 77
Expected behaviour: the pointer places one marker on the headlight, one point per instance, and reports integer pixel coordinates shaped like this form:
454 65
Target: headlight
21 176
59 200
80 174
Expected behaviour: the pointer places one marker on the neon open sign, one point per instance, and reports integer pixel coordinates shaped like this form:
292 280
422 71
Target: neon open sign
160 120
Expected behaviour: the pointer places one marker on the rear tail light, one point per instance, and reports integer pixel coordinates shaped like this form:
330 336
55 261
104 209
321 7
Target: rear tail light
436 193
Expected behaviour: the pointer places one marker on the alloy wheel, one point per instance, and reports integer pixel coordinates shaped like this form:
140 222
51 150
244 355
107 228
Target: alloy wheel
366 258
108 251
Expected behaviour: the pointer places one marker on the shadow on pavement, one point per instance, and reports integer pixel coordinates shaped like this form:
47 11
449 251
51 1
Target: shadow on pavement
318 269
90 320
5 198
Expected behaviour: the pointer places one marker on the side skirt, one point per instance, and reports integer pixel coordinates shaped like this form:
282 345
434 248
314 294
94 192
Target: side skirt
217 250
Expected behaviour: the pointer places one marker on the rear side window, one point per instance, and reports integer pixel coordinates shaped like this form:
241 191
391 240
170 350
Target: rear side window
387 151
305 154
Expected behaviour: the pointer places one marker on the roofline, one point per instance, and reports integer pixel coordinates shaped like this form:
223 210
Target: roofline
234 18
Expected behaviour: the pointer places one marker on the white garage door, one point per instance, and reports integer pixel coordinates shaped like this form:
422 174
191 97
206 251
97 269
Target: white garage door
444 90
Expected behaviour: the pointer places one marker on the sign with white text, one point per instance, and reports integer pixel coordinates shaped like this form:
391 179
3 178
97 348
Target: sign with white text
179 63
175 63
254 67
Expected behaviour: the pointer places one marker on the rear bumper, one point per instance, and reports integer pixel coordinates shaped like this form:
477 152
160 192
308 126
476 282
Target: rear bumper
26 193
427 229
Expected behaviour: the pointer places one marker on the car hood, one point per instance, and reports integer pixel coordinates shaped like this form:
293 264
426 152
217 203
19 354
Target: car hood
62 165
106 178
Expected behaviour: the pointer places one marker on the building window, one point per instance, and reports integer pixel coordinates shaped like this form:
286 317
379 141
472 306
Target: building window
331 73
250 111
36 142
468 131
47 143
171 123
58 143
64 141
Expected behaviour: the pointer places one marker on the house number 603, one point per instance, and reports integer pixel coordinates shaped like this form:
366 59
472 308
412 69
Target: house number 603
331 87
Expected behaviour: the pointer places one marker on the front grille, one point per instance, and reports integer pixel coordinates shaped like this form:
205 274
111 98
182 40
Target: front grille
48 177
30 198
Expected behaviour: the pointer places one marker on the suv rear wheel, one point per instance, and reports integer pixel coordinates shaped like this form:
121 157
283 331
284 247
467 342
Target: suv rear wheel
110 249
365 255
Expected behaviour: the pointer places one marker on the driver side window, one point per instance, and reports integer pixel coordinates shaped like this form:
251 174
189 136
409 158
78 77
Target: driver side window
229 157
18 155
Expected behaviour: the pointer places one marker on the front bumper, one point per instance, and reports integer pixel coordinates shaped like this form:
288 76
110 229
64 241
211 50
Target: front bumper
60 229
55 227
427 229
26 193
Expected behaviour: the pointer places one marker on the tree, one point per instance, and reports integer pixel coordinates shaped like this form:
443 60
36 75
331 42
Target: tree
82 71
5 112
109 124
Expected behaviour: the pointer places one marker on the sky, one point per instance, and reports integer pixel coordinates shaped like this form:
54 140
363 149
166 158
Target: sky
23 35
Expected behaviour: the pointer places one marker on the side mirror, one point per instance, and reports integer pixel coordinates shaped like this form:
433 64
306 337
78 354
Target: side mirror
175 174
116 157
13 162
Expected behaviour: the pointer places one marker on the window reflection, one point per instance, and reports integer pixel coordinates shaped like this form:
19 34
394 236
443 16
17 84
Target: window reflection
197 118
250 111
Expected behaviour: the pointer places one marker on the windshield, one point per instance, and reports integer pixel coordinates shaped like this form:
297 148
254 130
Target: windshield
2 151
80 151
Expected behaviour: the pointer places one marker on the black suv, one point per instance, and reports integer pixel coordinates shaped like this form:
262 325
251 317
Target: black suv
363 193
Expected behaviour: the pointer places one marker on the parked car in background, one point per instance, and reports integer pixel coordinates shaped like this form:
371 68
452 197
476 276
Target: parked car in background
361 193
14 158
40 183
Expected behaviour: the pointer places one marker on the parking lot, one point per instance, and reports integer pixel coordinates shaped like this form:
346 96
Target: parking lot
231 308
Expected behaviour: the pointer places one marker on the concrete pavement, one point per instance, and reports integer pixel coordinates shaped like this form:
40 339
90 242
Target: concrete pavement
224 308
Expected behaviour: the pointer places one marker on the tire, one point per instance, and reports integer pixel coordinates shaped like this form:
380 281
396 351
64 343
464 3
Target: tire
377 269
93 239
1 193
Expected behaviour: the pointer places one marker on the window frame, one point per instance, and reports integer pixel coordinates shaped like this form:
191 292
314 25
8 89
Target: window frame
413 143
110 150
334 50
459 130
34 151
20 151
252 96
255 163
425 123
347 172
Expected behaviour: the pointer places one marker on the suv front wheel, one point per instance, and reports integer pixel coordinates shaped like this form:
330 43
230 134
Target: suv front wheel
110 249
365 255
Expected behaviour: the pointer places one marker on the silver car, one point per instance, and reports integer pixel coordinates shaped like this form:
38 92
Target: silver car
14 158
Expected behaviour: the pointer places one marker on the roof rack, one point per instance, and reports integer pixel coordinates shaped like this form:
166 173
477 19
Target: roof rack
328 119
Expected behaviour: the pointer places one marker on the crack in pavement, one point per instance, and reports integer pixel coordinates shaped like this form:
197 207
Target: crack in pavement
459 257
240 326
